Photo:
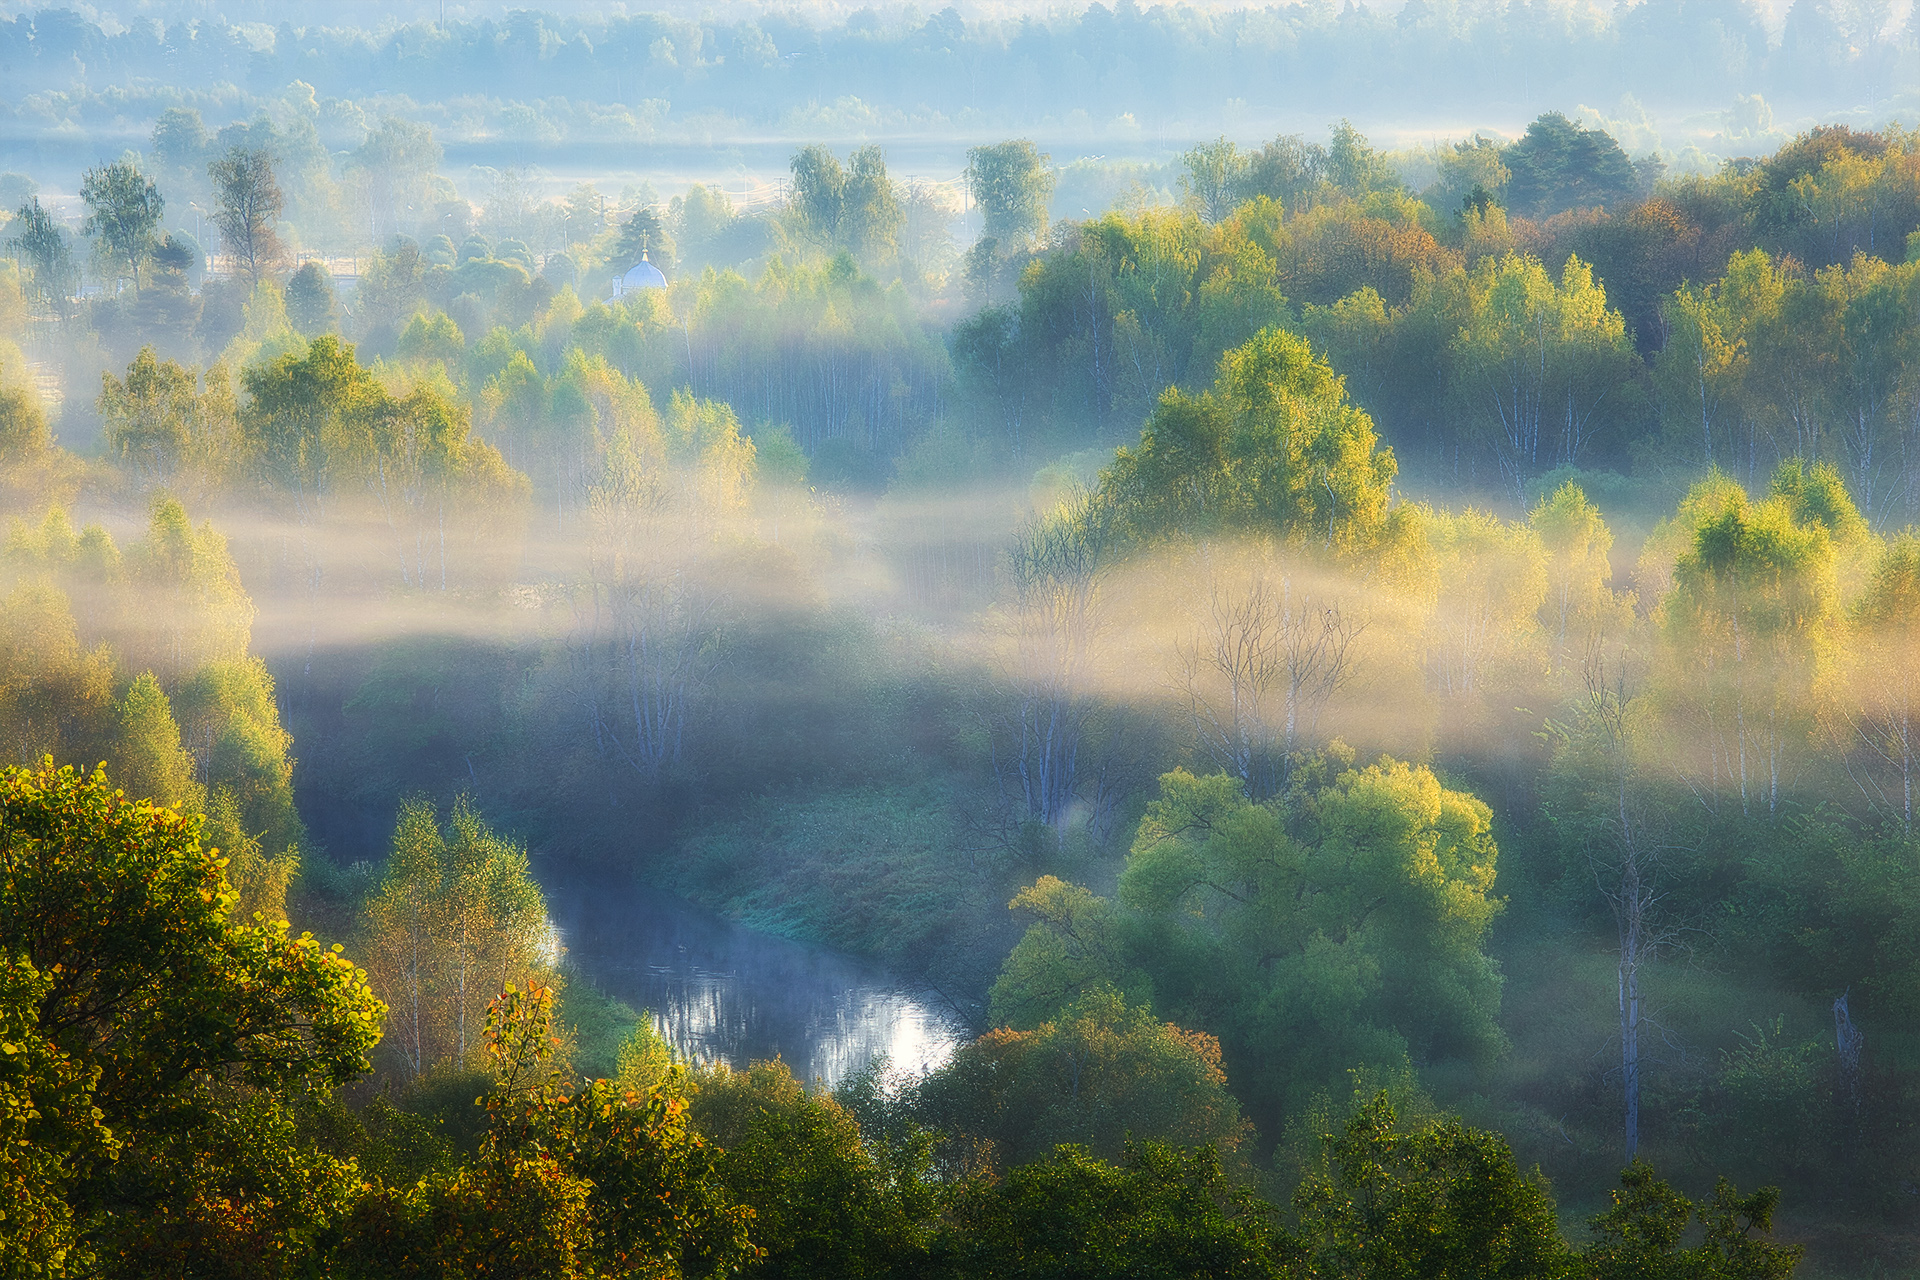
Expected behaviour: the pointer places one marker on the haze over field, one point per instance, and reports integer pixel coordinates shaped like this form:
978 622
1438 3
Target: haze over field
1193 641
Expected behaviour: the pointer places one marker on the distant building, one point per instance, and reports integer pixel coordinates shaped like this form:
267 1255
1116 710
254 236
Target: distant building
641 275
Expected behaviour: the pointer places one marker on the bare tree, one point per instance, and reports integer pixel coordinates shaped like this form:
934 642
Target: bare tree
1260 671
1625 861
644 642
249 207
1057 566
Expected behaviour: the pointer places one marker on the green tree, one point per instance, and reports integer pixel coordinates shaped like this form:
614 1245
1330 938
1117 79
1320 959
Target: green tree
1445 1202
1344 925
432 337
123 213
1580 605
307 424
179 142
310 305
190 608
1273 450
56 698
399 159
1558 165
852 209
173 428
1639 1236
149 762
1097 1074
1470 177
455 917
1011 183
1159 1214
230 721
1492 587
1707 357
1876 718
1749 628
260 880
644 235
570 1183
825 1202
24 436
1354 168
1072 951
1215 179
44 250
158 1007
1537 363
49 1132
154 986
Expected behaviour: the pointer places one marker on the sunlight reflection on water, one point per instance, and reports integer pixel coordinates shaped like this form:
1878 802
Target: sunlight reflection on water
721 991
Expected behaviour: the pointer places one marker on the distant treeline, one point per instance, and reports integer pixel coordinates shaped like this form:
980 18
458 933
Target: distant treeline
539 78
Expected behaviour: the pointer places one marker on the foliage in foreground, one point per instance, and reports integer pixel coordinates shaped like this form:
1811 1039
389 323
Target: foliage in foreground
166 1096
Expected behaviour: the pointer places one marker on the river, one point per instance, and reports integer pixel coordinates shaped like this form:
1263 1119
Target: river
720 991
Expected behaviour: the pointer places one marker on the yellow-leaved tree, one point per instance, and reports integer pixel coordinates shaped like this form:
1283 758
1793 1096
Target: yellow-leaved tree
455 917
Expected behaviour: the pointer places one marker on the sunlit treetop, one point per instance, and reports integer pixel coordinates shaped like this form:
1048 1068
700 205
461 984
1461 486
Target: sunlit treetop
1274 449
120 907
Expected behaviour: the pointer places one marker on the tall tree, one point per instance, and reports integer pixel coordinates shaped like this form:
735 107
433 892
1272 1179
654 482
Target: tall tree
49 261
1011 183
398 159
1215 180
169 432
247 209
149 762
310 306
179 143
456 917
24 435
1274 450
1444 1203
1878 708
1558 165
1059 565
1603 802
852 208
1749 627
123 213
1346 925
1492 584
1538 362
1580 607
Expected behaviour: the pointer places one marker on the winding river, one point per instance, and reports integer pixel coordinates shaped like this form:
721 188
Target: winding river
720 991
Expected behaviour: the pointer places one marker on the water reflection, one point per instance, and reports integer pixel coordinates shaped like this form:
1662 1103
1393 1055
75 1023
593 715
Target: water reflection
721 991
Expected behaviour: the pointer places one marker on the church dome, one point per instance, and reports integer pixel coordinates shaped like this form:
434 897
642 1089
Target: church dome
642 275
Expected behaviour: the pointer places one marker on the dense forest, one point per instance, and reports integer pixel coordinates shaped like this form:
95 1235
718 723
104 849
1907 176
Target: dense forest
540 83
1378 689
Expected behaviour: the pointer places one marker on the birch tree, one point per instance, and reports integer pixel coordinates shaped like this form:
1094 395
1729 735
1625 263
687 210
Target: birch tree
1536 361
1602 800
1877 712
1749 629
456 916
646 635
1580 605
